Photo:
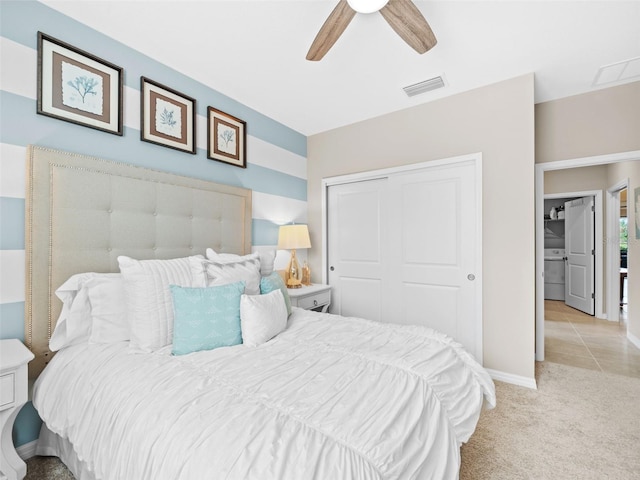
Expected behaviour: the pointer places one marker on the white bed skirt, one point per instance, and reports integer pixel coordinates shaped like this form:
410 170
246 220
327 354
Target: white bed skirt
52 445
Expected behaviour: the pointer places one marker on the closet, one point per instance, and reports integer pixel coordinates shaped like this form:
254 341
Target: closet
404 246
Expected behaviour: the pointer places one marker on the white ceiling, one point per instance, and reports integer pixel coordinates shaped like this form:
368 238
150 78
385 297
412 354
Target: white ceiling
254 51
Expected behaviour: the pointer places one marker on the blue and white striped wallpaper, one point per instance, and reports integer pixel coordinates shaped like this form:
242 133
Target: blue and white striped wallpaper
276 155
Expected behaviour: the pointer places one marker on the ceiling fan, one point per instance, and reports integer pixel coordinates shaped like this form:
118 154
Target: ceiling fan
403 16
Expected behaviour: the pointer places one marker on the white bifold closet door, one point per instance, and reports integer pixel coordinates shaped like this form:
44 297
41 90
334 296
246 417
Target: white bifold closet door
402 249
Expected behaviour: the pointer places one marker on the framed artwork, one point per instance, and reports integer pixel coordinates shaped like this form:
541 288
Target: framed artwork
226 138
167 117
78 87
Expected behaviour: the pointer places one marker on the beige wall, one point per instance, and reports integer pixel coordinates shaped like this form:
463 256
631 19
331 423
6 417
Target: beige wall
576 179
596 123
498 121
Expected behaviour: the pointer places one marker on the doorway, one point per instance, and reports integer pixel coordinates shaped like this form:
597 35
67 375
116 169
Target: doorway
617 234
572 234
540 169
624 254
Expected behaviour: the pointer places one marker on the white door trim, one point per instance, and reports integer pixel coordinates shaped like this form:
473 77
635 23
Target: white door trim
472 158
540 168
613 248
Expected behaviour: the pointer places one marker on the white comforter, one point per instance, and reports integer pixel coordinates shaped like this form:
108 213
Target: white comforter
328 398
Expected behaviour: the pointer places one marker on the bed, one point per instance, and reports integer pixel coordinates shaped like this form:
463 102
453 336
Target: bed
129 387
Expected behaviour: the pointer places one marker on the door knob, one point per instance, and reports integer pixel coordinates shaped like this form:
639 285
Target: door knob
471 277
331 268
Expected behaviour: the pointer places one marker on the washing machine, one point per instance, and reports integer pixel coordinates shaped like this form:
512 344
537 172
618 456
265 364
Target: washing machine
554 261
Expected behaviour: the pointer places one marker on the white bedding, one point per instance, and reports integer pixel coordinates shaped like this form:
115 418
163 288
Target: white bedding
328 398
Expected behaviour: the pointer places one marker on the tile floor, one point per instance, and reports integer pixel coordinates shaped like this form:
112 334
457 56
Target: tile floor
580 340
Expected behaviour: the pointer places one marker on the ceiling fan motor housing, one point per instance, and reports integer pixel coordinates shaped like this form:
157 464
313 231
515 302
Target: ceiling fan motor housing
367 6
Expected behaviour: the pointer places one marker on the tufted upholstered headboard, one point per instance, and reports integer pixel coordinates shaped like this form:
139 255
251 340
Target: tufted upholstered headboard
83 212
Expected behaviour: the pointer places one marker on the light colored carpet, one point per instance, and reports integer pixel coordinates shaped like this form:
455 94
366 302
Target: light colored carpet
579 424
47 468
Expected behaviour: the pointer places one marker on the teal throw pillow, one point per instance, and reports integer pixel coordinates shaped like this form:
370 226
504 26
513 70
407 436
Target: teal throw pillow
274 282
206 318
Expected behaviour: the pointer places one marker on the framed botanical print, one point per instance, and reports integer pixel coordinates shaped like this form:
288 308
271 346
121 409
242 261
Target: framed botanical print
226 138
167 117
78 87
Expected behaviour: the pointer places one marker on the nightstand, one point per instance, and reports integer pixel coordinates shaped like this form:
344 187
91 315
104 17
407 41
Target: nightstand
313 297
14 357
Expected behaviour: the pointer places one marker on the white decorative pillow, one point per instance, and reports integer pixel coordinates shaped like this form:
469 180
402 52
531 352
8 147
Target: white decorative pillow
148 298
74 323
108 311
92 310
210 273
262 317
267 259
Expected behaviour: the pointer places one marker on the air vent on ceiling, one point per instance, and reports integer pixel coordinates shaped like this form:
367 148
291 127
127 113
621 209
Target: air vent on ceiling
425 86
618 72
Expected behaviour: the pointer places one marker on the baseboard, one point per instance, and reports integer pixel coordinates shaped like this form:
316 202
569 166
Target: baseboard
513 379
633 339
28 450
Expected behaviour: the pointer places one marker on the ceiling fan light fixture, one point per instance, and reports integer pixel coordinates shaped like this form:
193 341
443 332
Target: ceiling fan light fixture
401 15
367 6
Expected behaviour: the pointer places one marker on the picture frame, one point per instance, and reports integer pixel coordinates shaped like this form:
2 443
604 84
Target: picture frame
226 138
167 117
78 87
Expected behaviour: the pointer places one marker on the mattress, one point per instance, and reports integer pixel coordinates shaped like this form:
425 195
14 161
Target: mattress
329 398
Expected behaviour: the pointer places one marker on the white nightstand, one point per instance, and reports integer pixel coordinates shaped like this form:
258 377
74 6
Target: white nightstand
314 297
14 358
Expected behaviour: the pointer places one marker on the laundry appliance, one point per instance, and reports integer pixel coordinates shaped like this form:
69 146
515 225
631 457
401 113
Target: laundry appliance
554 262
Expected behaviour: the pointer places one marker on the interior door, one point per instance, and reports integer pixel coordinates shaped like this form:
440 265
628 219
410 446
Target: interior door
402 249
357 244
579 249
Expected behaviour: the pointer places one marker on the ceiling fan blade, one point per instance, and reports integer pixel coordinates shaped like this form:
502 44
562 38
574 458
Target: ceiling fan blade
405 18
331 30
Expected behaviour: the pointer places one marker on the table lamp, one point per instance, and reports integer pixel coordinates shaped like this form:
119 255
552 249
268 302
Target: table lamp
291 237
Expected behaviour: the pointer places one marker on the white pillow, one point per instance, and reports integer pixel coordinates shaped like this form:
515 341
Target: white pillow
74 323
109 322
262 317
267 259
210 273
92 310
148 298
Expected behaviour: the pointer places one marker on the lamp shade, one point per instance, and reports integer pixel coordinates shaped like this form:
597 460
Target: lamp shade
291 237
